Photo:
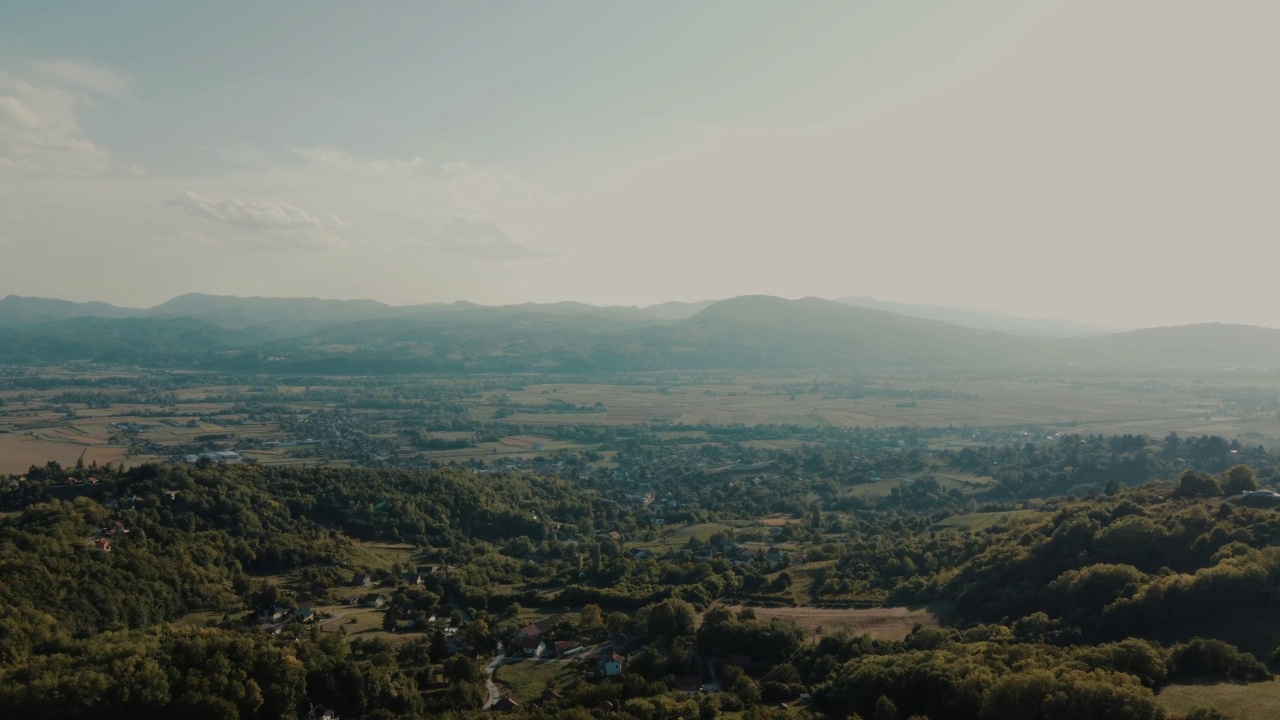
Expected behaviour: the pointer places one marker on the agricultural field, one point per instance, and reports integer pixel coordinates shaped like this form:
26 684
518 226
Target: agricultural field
59 420
1256 701
985 520
526 679
1101 405
885 623
20 451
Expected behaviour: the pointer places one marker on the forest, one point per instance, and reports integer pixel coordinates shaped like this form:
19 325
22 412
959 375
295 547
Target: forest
1088 574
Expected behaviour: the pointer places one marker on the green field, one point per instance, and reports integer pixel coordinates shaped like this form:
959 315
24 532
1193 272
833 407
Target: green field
982 521
1257 701
526 679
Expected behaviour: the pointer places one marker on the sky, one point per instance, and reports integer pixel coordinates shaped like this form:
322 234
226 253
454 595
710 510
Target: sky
1105 162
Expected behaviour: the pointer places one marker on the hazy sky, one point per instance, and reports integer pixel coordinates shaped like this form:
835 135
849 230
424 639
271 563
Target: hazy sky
1114 162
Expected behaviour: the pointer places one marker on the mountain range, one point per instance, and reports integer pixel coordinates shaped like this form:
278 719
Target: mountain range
314 335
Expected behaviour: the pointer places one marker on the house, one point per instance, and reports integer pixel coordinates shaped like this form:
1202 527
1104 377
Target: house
533 646
536 629
373 601
605 707
548 695
272 614
505 704
304 614
567 647
775 559
611 665
102 544
349 600
412 578
362 579
320 712
689 684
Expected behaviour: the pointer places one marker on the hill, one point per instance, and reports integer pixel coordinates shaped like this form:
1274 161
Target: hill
675 310
1197 345
983 319
17 310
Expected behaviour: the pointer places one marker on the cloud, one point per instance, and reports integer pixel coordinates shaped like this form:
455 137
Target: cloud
365 165
81 75
40 129
480 239
254 214
323 156
280 223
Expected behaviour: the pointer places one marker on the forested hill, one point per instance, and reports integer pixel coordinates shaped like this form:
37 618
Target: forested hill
1067 608
746 333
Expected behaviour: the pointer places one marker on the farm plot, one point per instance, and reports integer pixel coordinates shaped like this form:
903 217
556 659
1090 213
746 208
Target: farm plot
884 623
18 452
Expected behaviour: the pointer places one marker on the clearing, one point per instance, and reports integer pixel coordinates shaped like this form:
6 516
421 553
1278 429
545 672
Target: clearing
1256 701
884 623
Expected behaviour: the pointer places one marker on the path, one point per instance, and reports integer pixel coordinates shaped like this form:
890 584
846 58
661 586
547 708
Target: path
489 684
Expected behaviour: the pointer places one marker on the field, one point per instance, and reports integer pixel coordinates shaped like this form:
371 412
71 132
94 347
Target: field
983 521
1258 701
526 679
39 425
886 623
1104 405
20 451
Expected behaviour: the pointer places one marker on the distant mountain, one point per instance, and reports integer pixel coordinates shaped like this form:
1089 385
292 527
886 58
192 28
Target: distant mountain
754 333
16 310
1200 345
159 341
764 331
676 310
284 316
985 320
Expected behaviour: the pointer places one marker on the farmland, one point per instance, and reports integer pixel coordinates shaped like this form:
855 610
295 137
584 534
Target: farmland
100 415
1255 701
885 623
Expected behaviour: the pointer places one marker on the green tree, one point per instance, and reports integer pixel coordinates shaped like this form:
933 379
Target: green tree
1239 479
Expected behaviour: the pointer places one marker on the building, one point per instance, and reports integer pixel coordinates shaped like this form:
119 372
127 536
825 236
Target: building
611 665
533 646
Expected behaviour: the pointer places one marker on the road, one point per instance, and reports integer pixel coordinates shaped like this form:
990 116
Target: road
489 684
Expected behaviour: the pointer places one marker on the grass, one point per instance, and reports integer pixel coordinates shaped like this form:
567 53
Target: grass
1257 701
983 521
526 679
884 623
680 537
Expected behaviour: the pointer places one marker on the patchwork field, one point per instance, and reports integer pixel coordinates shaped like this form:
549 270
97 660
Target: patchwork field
18 452
1106 406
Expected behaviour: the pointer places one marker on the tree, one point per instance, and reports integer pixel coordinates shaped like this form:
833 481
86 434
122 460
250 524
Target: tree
672 618
1239 479
885 709
590 619
1196 484
459 669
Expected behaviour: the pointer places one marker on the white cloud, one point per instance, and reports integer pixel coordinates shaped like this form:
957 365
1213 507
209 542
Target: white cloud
480 239
268 222
253 214
40 129
352 164
323 156
70 73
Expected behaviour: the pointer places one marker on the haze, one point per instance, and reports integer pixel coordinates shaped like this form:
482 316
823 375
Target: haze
1104 162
